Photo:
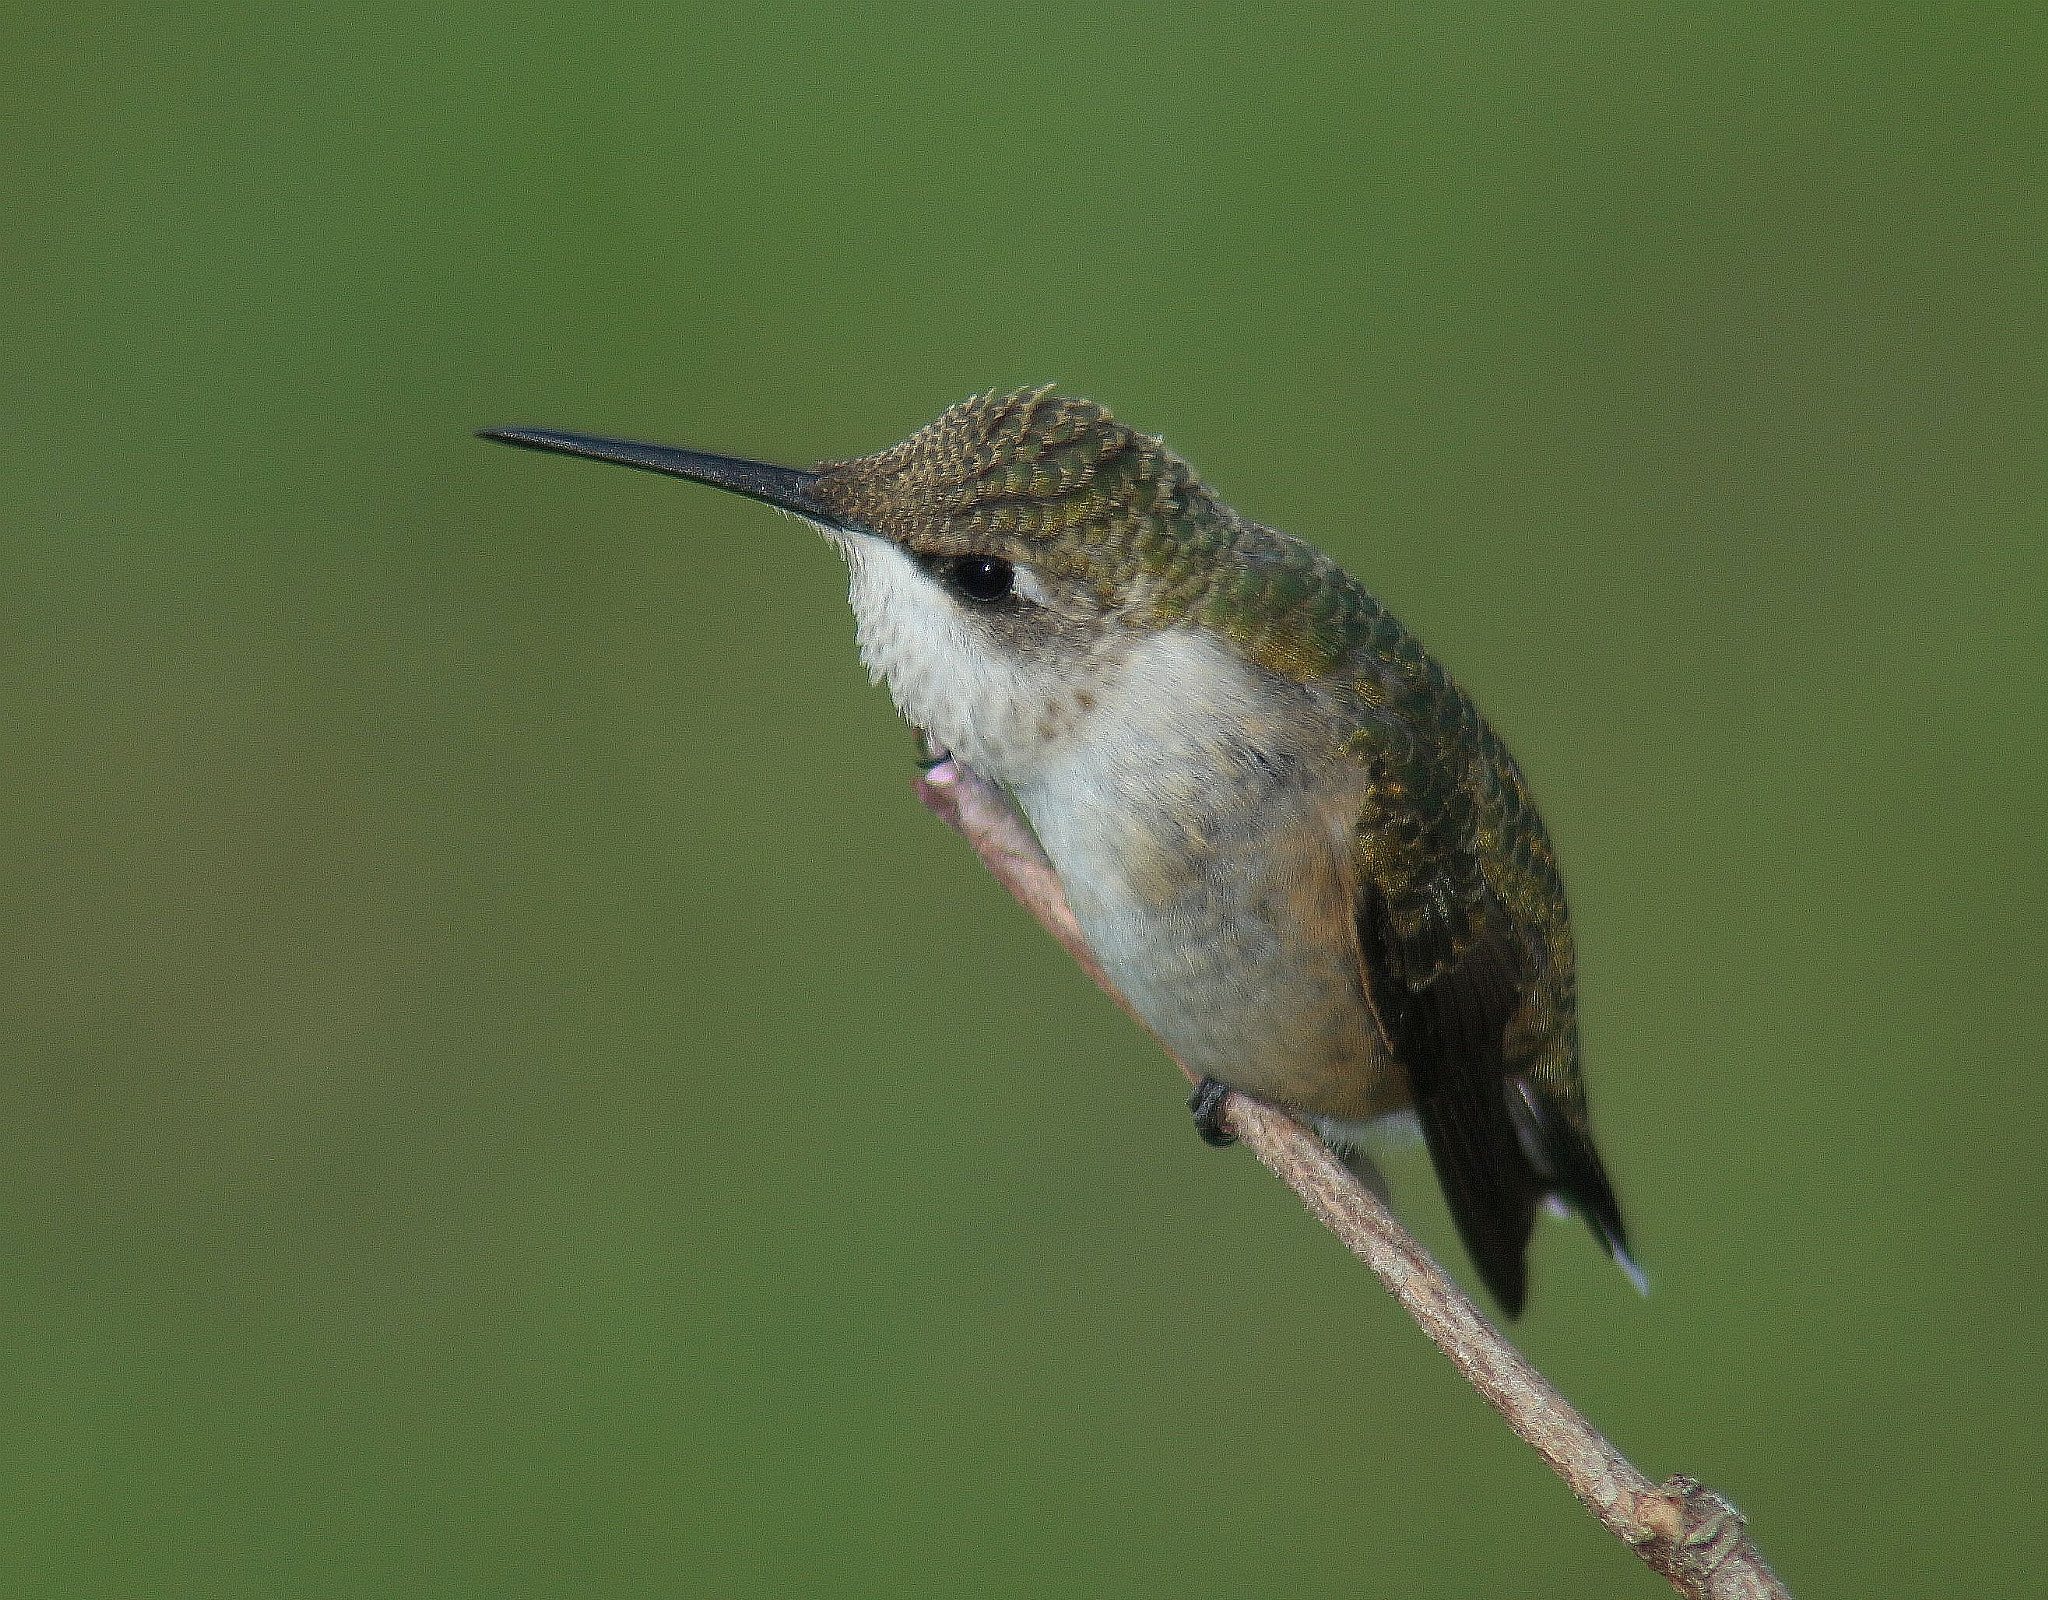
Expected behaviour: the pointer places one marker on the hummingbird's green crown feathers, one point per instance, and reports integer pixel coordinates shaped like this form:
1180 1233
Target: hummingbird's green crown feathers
1030 473
1059 483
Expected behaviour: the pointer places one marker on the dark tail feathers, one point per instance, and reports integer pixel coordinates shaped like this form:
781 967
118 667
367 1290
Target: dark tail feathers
1499 1155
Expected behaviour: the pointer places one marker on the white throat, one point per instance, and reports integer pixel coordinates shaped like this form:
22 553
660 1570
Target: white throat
1041 721
990 706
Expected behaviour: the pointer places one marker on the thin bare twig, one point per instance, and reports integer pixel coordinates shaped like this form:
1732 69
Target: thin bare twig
1683 1529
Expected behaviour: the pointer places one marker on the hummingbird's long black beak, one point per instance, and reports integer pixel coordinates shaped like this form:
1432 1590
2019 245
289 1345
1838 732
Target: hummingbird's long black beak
757 480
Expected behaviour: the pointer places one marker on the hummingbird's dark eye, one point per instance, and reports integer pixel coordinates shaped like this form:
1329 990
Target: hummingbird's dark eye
982 577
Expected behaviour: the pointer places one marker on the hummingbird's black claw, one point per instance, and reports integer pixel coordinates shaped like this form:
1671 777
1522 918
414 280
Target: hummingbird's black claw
1207 1105
930 753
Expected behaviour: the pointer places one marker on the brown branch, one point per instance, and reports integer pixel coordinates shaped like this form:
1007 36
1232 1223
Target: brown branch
1690 1534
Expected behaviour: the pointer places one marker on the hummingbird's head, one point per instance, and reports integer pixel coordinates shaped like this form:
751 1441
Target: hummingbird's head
1009 558
1032 480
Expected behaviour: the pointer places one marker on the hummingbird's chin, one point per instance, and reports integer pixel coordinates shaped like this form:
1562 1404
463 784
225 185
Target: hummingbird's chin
947 672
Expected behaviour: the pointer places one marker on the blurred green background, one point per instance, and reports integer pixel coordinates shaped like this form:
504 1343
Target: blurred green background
508 1095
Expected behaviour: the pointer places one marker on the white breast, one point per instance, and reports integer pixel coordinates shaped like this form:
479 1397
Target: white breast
1209 885
1164 776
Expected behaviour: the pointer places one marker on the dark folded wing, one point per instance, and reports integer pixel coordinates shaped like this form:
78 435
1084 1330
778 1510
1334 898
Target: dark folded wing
1445 974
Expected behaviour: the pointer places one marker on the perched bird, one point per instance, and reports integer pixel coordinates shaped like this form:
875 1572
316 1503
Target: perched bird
1296 848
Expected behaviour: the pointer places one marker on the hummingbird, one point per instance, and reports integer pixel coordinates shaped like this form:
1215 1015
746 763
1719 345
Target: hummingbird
1302 856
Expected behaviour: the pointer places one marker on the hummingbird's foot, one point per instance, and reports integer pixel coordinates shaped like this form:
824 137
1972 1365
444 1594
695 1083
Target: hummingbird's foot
1207 1105
930 753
